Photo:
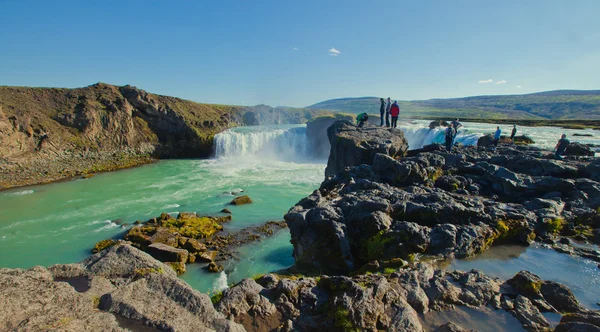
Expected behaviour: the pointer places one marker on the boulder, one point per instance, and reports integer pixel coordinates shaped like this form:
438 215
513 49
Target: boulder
353 146
578 149
486 141
194 246
241 200
165 253
523 139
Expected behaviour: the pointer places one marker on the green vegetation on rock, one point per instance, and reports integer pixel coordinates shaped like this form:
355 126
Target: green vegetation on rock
215 297
101 245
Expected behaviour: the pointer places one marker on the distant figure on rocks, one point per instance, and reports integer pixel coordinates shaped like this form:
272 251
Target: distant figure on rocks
387 112
361 119
455 124
561 146
382 111
395 112
513 133
450 133
497 135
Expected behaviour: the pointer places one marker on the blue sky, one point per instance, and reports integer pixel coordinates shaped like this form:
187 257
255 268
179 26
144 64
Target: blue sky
278 52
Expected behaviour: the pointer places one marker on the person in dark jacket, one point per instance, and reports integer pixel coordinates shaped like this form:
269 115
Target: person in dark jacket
382 111
513 133
450 133
561 146
395 112
387 112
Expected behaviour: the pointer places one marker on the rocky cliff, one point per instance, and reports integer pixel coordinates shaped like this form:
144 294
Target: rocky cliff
439 203
353 146
47 134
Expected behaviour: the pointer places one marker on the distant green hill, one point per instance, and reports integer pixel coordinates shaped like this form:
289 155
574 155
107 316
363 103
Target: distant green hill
560 104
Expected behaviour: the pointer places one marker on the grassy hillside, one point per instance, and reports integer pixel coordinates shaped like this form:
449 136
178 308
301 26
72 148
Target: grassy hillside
561 104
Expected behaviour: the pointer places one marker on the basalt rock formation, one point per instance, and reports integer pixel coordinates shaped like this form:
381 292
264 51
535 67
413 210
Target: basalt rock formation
353 146
48 134
438 203
395 300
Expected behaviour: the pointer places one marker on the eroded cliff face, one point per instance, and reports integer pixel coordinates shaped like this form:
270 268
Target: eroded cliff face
47 134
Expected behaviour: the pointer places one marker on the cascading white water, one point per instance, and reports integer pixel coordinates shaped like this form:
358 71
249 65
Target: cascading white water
418 137
287 143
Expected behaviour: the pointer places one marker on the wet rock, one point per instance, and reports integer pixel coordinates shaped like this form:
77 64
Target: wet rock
240 200
560 297
581 321
226 211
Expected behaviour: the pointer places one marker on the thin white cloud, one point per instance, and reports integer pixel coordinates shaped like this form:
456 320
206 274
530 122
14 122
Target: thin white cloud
295 49
485 81
501 82
519 86
334 52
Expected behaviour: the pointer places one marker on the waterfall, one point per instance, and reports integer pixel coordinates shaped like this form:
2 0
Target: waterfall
418 137
288 143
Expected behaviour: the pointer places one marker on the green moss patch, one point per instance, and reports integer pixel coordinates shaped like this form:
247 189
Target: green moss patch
101 245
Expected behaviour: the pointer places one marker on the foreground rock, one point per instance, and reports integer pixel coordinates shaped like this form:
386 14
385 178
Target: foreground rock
393 301
437 203
113 289
352 146
190 238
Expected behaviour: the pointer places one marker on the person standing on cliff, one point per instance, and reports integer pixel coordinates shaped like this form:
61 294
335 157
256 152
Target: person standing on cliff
497 136
450 133
455 124
382 111
395 112
387 112
513 133
561 146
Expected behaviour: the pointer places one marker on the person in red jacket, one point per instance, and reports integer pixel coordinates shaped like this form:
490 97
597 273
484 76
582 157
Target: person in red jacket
395 112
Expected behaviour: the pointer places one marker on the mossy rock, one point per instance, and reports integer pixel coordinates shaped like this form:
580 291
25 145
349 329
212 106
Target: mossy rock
241 200
214 267
179 267
101 245
373 248
554 226
526 283
192 226
216 297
